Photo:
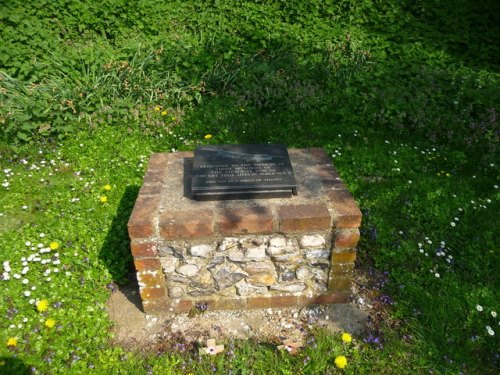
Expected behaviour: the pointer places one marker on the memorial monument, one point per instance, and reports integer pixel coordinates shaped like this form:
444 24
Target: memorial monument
243 226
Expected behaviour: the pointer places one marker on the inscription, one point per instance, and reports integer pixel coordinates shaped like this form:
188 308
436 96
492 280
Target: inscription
239 168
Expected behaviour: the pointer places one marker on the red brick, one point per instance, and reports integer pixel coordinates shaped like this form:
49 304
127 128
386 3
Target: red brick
346 211
149 280
274 302
342 269
346 237
147 264
156 306
152 293
302 217
143 249
338 283
141 222
186 224
183 305
320 156
330 178
325 299
181 155
226 304
158 161
153 189
155 176
345 257
246 220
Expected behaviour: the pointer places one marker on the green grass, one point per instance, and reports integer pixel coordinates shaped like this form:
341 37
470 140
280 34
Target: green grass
403 95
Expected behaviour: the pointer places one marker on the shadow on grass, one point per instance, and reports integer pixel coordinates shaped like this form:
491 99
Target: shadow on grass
11 365
115 251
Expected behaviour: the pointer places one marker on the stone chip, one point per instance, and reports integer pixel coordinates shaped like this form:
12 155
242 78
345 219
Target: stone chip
188 270
311 241
202 251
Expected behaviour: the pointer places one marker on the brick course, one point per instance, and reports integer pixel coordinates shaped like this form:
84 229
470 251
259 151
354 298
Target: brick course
347 238
142 220
186 224
143 249
295 218
245 220
347 213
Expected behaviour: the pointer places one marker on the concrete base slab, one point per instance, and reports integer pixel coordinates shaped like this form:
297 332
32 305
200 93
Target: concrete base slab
136 330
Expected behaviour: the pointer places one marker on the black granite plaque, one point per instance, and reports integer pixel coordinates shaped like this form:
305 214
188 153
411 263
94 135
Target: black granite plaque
242 172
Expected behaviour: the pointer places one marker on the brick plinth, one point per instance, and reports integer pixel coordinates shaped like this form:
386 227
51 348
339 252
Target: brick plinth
219 253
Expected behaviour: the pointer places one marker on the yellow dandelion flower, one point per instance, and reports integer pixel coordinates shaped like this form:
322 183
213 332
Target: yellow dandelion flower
208 136
12 341
347 338
107 187
54 245
341 361
49 323
42 305
157 109
164 113
103 198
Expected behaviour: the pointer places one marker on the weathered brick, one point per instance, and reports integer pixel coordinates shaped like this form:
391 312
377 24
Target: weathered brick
273 301
344 257
156 306
330 178
346 237
143 249
182 224
302 217
183 305
346 212
151 264
226 304
342 269
151 280
155 177
151 189
338 283
142 220
245 220
152 293
181 155
158 161
320 156
325 299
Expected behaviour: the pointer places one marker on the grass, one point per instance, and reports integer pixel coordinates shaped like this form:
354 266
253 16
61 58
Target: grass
403 97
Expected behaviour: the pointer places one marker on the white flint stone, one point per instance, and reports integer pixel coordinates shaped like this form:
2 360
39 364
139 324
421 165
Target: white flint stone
277 242
188 270
175 292
246 289
290 288
236 255
304 273
255 253
315 240
169 264
202 251
228 243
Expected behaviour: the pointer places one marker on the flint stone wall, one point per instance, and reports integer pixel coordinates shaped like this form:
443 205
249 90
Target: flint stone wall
246 266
